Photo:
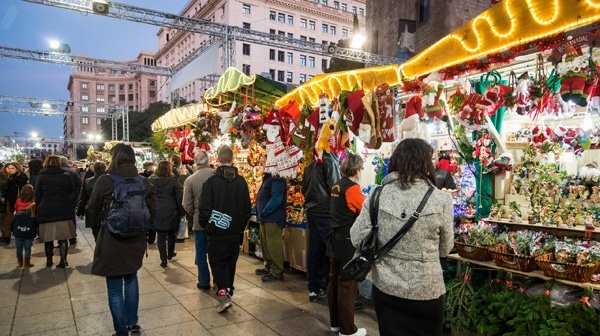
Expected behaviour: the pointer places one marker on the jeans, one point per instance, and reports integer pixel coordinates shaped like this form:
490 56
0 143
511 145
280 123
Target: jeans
23 243
223 253
123 298
200 261
319 232
165 240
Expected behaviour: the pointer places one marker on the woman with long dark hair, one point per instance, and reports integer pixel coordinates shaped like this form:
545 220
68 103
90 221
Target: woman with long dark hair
408 285
119 259
55 191
15 180
169 210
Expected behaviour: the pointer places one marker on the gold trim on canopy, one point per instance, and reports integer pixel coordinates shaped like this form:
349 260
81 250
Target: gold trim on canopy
333 84
181 116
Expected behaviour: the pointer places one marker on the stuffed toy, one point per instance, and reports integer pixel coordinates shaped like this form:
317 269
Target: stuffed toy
570 141
187 148
413 115
226 123
325 110
323 143
522 94
281 160
251 118
483 151
356 110
303 132
493 99
590 174
470 116
369 130
386 111
573 75
502 164
433 106
592 90
541 135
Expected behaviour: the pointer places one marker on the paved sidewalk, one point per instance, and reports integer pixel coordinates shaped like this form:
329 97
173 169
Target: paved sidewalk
50 301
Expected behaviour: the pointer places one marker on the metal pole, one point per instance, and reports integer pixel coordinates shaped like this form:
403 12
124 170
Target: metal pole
125 124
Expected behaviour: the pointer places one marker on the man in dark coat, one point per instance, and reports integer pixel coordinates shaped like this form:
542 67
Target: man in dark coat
224 212
67 166
92 219
271 205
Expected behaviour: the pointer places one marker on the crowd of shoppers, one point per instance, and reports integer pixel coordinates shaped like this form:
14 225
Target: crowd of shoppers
43 203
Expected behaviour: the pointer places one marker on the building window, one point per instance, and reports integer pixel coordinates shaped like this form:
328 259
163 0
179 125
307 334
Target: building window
332 30
152 94
130 86
112 98
302 78
246 49
130 96
344 32
246 9
99 99
281 18
281 33
344 7
302 23
246 25
272 54
423 10
84 97
272 73
272 15
289 77
113 71
152 83
354 10
121 87
121 97
361 11
303 60
325 28
324 42
303 38
311 39
85 109
290 19
246 69
111 87
100 87
336 4
311 61
85 120
281 56
280 76
100 110
130 108
312 25
324 64
290 58
98 121
290 35
84 85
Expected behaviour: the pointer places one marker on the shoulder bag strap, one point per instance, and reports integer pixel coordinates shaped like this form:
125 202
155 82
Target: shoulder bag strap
374 205
409 224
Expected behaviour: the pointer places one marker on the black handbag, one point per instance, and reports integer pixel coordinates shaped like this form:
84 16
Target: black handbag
367 252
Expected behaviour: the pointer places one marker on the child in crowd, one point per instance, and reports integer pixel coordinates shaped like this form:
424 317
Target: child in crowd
24 227
26 198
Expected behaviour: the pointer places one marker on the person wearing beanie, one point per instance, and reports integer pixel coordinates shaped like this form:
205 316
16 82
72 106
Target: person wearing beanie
224 212
192 189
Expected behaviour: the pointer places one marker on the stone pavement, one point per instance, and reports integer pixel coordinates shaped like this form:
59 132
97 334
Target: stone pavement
51 301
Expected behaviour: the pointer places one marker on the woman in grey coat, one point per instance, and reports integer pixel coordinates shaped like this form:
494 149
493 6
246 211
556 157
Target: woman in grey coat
408 286
168 210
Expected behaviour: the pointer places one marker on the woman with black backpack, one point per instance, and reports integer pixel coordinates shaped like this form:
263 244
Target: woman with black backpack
115 257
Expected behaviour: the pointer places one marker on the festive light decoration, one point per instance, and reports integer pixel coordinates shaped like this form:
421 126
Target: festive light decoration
333 84
231 80
502 27
185 115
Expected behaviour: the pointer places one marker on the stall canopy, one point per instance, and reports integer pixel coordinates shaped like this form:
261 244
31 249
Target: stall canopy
181 116
495 32
234 85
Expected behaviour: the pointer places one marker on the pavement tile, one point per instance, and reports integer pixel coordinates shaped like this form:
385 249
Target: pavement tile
93 285
57 332
272 311
156 299
253 296
149 285
41 290
184 288
34 324
173 276
199 300
5 329
163 316
89 304
210 319
248 328
300 325
6 315
190 328
95 324
33 306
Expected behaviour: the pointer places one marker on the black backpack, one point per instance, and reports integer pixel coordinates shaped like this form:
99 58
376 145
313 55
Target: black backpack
128 214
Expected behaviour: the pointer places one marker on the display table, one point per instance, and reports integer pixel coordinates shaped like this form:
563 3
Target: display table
573 232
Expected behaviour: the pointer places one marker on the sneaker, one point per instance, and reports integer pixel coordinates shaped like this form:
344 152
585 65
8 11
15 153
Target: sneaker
224 301
172 256
163 264
261 271
134 329
359 332
314 296
271 277
334 329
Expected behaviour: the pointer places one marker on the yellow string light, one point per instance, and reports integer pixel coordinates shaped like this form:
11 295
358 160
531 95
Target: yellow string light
592 4
231 80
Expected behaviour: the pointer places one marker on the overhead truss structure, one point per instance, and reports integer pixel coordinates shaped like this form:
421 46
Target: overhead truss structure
228 34
56 107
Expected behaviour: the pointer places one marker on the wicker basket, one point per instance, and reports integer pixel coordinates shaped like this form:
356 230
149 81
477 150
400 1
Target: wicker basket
566 271
472 252
503 258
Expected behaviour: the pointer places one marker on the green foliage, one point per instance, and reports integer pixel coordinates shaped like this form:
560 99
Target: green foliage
459 297
157 141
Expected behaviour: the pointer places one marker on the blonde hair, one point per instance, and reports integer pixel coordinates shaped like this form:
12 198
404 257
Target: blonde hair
32 210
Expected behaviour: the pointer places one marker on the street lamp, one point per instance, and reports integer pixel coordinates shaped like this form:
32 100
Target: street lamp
358 40
33 135
59 47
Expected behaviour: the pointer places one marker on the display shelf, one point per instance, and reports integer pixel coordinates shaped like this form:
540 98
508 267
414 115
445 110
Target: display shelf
577 232
536 274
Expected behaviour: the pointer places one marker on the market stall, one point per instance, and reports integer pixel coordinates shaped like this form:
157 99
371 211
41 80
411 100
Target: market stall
515 93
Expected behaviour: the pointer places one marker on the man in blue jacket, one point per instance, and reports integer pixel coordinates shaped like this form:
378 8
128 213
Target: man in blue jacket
271 209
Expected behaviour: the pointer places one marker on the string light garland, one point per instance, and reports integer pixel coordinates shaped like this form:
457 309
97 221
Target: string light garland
231 80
